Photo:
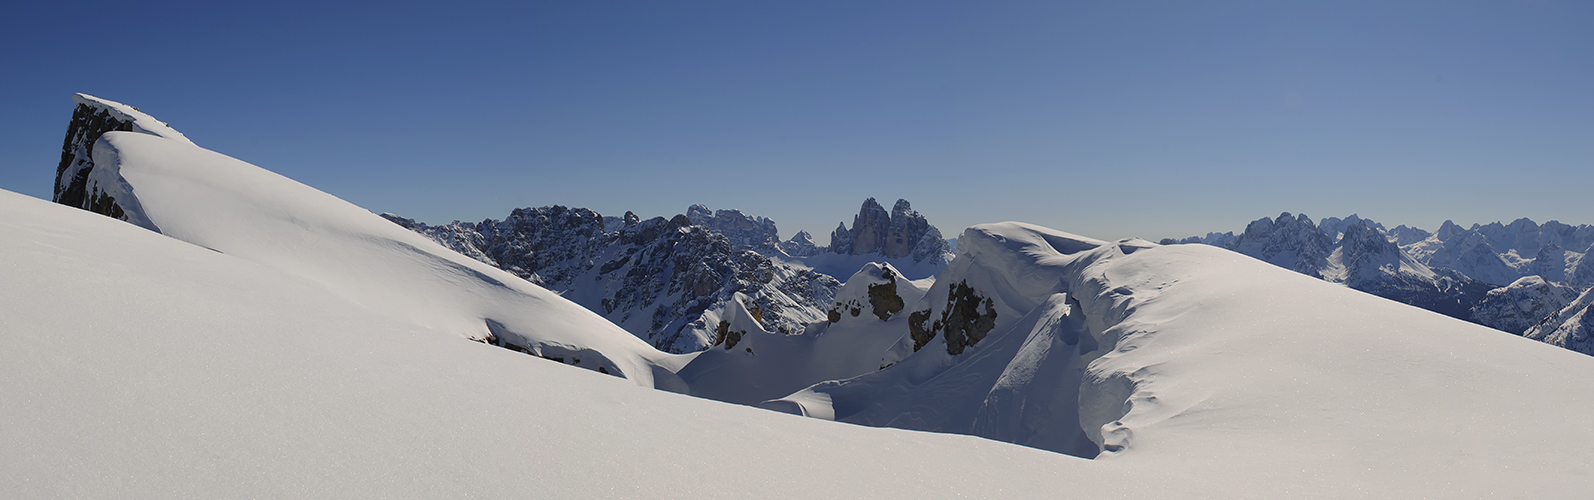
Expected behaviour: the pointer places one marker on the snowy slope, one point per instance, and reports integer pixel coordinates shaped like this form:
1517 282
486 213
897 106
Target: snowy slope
1572 327
1211 362
230 206
137 366
751 364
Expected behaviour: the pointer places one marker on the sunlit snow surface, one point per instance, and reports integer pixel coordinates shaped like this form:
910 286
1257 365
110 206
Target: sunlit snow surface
218 202
137 366
283 343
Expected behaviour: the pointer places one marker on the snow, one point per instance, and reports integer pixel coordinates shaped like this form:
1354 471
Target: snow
230 206
272 340
1219 365
138 366
142 122
764 365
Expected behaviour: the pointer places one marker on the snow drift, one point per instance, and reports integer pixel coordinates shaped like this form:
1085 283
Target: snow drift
1193 358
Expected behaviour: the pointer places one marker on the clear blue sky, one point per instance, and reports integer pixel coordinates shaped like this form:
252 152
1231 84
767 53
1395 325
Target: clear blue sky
1108 119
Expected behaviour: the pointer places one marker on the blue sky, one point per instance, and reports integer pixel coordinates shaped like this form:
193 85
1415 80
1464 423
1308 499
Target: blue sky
1108 119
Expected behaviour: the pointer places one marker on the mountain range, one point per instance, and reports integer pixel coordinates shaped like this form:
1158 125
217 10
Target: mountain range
1505 276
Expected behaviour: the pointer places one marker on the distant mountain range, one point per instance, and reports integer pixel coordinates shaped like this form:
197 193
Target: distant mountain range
670 281
1512 277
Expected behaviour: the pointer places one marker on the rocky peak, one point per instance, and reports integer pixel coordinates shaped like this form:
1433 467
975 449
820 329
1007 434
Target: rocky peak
742 230
900 233
841 240
907 227
1362 246
75 182
870 228
800 245
1406 235
1291 242
1335 227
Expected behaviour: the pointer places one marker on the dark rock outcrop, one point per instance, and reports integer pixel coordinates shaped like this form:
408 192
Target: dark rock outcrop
72 175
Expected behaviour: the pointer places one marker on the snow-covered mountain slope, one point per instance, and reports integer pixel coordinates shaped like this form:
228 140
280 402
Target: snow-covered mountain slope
749 364
1501 253
138 366
220 203
1526 302
656 278
1572 327
1193 359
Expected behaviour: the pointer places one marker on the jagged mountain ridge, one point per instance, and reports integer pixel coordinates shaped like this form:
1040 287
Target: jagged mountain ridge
1354 252
1572 327
670 281
1476 273
1524 303
667 281
900 233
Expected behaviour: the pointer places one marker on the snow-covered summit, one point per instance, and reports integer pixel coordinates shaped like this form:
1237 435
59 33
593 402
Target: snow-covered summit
76 183
170 185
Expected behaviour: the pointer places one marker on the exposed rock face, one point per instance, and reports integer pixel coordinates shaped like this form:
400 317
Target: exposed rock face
907 226
841 240
897 234
883 298
77 183
743 231
1524 303
870 229
964 323
1572 327
656 278
72 175
1289 242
